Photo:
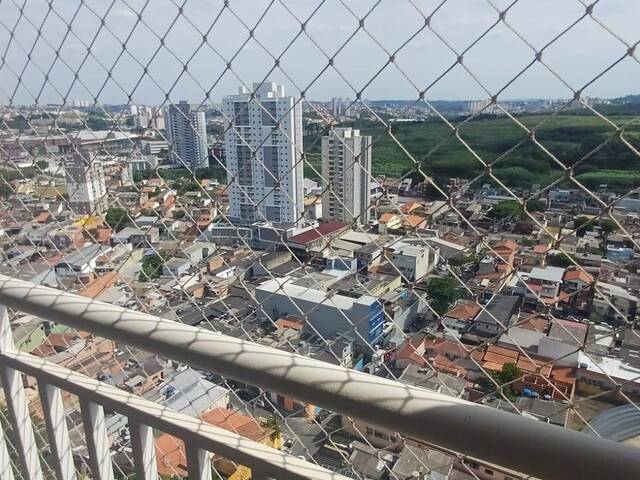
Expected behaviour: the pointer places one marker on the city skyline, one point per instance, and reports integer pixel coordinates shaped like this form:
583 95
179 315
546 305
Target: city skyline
592 50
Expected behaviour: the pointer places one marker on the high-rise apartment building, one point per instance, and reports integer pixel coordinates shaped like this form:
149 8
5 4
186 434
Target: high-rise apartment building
346 170
263 151
187 135
85 184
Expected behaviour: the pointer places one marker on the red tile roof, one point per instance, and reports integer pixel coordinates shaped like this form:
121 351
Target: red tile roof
320 231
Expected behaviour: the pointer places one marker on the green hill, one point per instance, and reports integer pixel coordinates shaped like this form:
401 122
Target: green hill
516 160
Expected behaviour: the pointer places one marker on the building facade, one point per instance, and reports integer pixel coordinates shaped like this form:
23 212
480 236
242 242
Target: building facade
263 155
85 184
346 170
187 135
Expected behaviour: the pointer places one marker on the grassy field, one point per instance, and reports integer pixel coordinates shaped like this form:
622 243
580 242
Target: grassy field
568 138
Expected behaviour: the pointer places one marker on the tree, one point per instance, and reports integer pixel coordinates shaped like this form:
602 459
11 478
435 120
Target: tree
506 208
581 225
442 293
151 267
559 260
536 206
509 373
42 164
607 227
117 218
5 190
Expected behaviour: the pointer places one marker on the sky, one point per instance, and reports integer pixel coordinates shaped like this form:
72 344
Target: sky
492 62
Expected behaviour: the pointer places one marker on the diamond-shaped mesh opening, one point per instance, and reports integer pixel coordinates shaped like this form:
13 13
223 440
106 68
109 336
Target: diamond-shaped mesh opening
444 194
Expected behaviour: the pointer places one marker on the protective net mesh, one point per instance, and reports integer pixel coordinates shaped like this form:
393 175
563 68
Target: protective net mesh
484 249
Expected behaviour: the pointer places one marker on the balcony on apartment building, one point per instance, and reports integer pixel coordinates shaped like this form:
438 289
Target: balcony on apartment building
475 434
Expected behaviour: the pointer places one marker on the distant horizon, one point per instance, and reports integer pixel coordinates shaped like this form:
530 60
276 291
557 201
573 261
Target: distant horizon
521 99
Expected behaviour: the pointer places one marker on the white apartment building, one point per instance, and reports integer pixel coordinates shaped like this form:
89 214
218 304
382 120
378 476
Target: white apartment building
85 184
187 135
346 170
263 155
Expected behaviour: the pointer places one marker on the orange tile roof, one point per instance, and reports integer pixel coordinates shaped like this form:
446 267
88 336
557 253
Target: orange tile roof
61 340
237 422
414 220
43 217
464 311
505 245
571 275
409 207
290 322
387 217
443 346
541 248
170 452
44 350
171 456
100 284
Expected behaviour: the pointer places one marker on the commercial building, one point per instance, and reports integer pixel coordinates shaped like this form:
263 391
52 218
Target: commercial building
263 152
86 184
329 315
346 171
187 135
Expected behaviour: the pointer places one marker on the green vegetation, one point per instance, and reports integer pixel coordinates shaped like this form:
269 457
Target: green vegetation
151 267
568 137
117 218
607 227
504 378
507 208
559 260
98 121
618 180
442 293
42 164
581 225
217 173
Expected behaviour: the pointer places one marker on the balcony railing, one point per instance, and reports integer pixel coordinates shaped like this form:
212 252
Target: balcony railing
474 431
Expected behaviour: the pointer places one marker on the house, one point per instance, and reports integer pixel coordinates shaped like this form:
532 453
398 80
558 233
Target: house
80 264
537 374
412 261
614 304
461 316
137 237
564 342
171 455
543 285
389 222
317 236
497 315
176 267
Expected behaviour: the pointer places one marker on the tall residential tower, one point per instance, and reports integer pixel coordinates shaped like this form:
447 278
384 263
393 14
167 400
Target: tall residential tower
263 151
346 169
85 184
187 135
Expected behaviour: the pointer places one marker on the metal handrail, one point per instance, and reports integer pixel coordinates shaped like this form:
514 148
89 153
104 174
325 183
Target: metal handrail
515 442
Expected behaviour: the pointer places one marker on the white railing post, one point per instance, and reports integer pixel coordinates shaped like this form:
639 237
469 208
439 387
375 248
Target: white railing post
198 462
18 406
144 451
5 460
95 431
55 419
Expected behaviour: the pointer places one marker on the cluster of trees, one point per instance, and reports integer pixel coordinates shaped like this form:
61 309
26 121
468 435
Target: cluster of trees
442 293
515 210
583 224
151 267
117 218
